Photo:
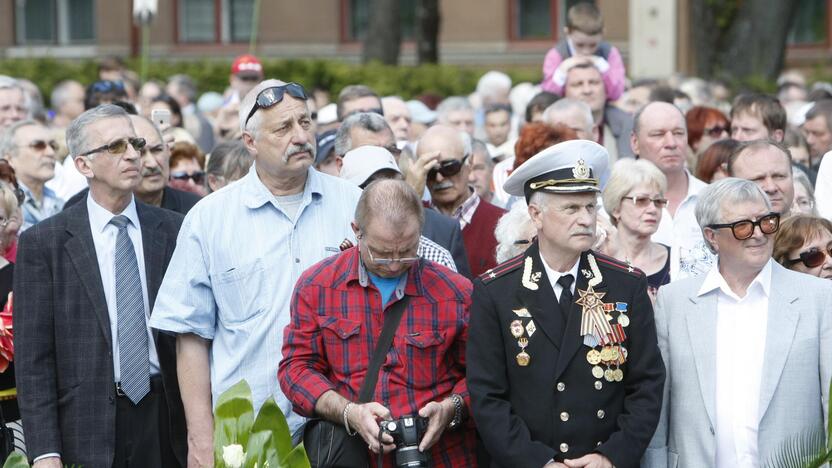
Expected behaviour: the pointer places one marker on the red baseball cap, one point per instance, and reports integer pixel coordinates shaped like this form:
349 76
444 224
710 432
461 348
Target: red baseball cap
247 65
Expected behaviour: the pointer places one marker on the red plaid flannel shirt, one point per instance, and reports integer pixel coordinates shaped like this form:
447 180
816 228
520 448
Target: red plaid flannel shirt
335 323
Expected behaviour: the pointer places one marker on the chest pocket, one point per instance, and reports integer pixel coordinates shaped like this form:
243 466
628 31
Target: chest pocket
239 292
424 358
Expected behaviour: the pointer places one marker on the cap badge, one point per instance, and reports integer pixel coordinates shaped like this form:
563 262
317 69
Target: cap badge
581 171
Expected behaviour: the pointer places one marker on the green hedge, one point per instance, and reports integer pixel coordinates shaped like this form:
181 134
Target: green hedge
212 75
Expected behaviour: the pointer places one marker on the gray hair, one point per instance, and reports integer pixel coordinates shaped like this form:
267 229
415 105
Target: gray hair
185 85
492 83
7 145
626 175
452 104
467 146
369 121
481 147
724 192
754 146
351 93
76 133
516 225
247 103
228 160
800 177
7 82
392 200
60 93
637 116
566 105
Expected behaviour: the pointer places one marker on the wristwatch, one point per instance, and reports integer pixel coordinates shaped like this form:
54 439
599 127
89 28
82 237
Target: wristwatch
457 420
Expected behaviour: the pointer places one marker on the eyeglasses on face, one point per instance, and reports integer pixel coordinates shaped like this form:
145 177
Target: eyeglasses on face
812 258
643 201
716 130
198 177
40 145
744 229
447 168
272 96
387 261
119 146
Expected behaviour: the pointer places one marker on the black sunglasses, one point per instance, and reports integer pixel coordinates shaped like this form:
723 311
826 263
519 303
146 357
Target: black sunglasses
119 146
744 229
107 86
447 168
271 96
198 177
812 258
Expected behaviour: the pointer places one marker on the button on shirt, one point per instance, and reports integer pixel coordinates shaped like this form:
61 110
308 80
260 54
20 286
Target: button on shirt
236 262
740 346
689 255
34 211
104 238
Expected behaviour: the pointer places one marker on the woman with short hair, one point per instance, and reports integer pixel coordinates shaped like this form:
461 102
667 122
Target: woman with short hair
804 243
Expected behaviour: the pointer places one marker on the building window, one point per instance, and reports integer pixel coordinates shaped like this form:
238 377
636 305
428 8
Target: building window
811 24
55 21
534 19
359 19
215 20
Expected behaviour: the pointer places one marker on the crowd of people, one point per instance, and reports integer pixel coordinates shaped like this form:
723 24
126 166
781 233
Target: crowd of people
583 272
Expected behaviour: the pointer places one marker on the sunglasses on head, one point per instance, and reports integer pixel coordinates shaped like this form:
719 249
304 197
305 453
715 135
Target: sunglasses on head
717 130
812 258
106 86
643 201
198 177
119 146
40 145
271 96
744 229
447 168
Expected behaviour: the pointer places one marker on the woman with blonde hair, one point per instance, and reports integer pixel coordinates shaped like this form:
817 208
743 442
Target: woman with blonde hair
634 199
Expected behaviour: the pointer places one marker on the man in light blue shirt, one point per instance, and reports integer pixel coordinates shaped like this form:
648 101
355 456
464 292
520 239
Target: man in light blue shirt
240 251
30 149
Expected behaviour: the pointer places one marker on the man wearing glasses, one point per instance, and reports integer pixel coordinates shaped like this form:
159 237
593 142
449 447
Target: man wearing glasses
94 381
226 295
339 308
447 180
30 149
748 346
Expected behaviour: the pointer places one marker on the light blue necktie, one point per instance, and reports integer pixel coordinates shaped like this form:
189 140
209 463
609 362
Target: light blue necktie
132 326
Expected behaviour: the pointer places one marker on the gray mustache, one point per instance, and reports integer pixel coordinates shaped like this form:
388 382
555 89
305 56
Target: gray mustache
304 148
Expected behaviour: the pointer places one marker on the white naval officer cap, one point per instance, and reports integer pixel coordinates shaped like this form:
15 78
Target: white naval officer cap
568 167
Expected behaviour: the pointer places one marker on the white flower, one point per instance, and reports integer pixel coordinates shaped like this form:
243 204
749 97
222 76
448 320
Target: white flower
233 455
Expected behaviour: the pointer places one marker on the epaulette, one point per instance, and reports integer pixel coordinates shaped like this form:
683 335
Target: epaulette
616 264
503 268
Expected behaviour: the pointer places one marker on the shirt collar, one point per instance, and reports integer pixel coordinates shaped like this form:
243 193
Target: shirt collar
256 194
47 192
554 276
100 217
465 211
408 283
715 280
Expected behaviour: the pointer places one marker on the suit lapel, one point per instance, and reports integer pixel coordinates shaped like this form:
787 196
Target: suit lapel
81 251
154 241
539 298
572 339
780 330
701 322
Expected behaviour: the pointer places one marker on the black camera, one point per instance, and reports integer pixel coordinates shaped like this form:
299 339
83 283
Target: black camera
407 432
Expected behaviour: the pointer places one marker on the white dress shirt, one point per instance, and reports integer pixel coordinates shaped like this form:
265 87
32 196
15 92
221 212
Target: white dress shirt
740 347
554 276
104 237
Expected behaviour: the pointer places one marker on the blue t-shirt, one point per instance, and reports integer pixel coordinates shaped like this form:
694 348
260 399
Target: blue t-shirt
386 286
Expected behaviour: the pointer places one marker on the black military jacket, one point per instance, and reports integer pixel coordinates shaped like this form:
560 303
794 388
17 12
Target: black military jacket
569 399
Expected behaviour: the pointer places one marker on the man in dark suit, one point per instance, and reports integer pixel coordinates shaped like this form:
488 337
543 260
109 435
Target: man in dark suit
94 383
563 363
153 188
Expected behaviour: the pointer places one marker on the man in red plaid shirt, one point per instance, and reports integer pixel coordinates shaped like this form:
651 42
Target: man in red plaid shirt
337 314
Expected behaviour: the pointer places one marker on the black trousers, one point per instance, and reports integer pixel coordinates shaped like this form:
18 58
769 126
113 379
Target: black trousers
138 441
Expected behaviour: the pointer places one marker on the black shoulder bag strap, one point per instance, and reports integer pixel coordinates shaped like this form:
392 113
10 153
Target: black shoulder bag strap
391 323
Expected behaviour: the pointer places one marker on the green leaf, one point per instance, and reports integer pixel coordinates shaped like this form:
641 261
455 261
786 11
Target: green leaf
804 450
296 459
16 460
256 449
271 419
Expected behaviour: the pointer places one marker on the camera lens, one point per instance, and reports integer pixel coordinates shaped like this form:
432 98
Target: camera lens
411 456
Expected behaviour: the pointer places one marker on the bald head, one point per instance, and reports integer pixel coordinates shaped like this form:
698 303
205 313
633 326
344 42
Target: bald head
660 136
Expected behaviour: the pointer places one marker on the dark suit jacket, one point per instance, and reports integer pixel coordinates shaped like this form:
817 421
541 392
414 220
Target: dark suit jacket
554 407
179 201
63 341
445 231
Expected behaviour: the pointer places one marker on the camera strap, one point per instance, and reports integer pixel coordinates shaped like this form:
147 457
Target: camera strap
391 323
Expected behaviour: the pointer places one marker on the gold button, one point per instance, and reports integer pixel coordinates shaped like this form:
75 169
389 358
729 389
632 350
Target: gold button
561 386
564 448
598 385
564 416
601 414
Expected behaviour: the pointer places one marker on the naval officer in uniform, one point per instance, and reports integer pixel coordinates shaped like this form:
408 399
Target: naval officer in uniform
563 363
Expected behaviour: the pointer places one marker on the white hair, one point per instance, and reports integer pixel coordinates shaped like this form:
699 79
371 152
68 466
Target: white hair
725 192
493 83
567 104
248 102
516 225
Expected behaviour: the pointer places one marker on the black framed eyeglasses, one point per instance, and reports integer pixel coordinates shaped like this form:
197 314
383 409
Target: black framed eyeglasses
744 229
198 177
271 96
643 201
812 258
447 168
119 146
107 86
